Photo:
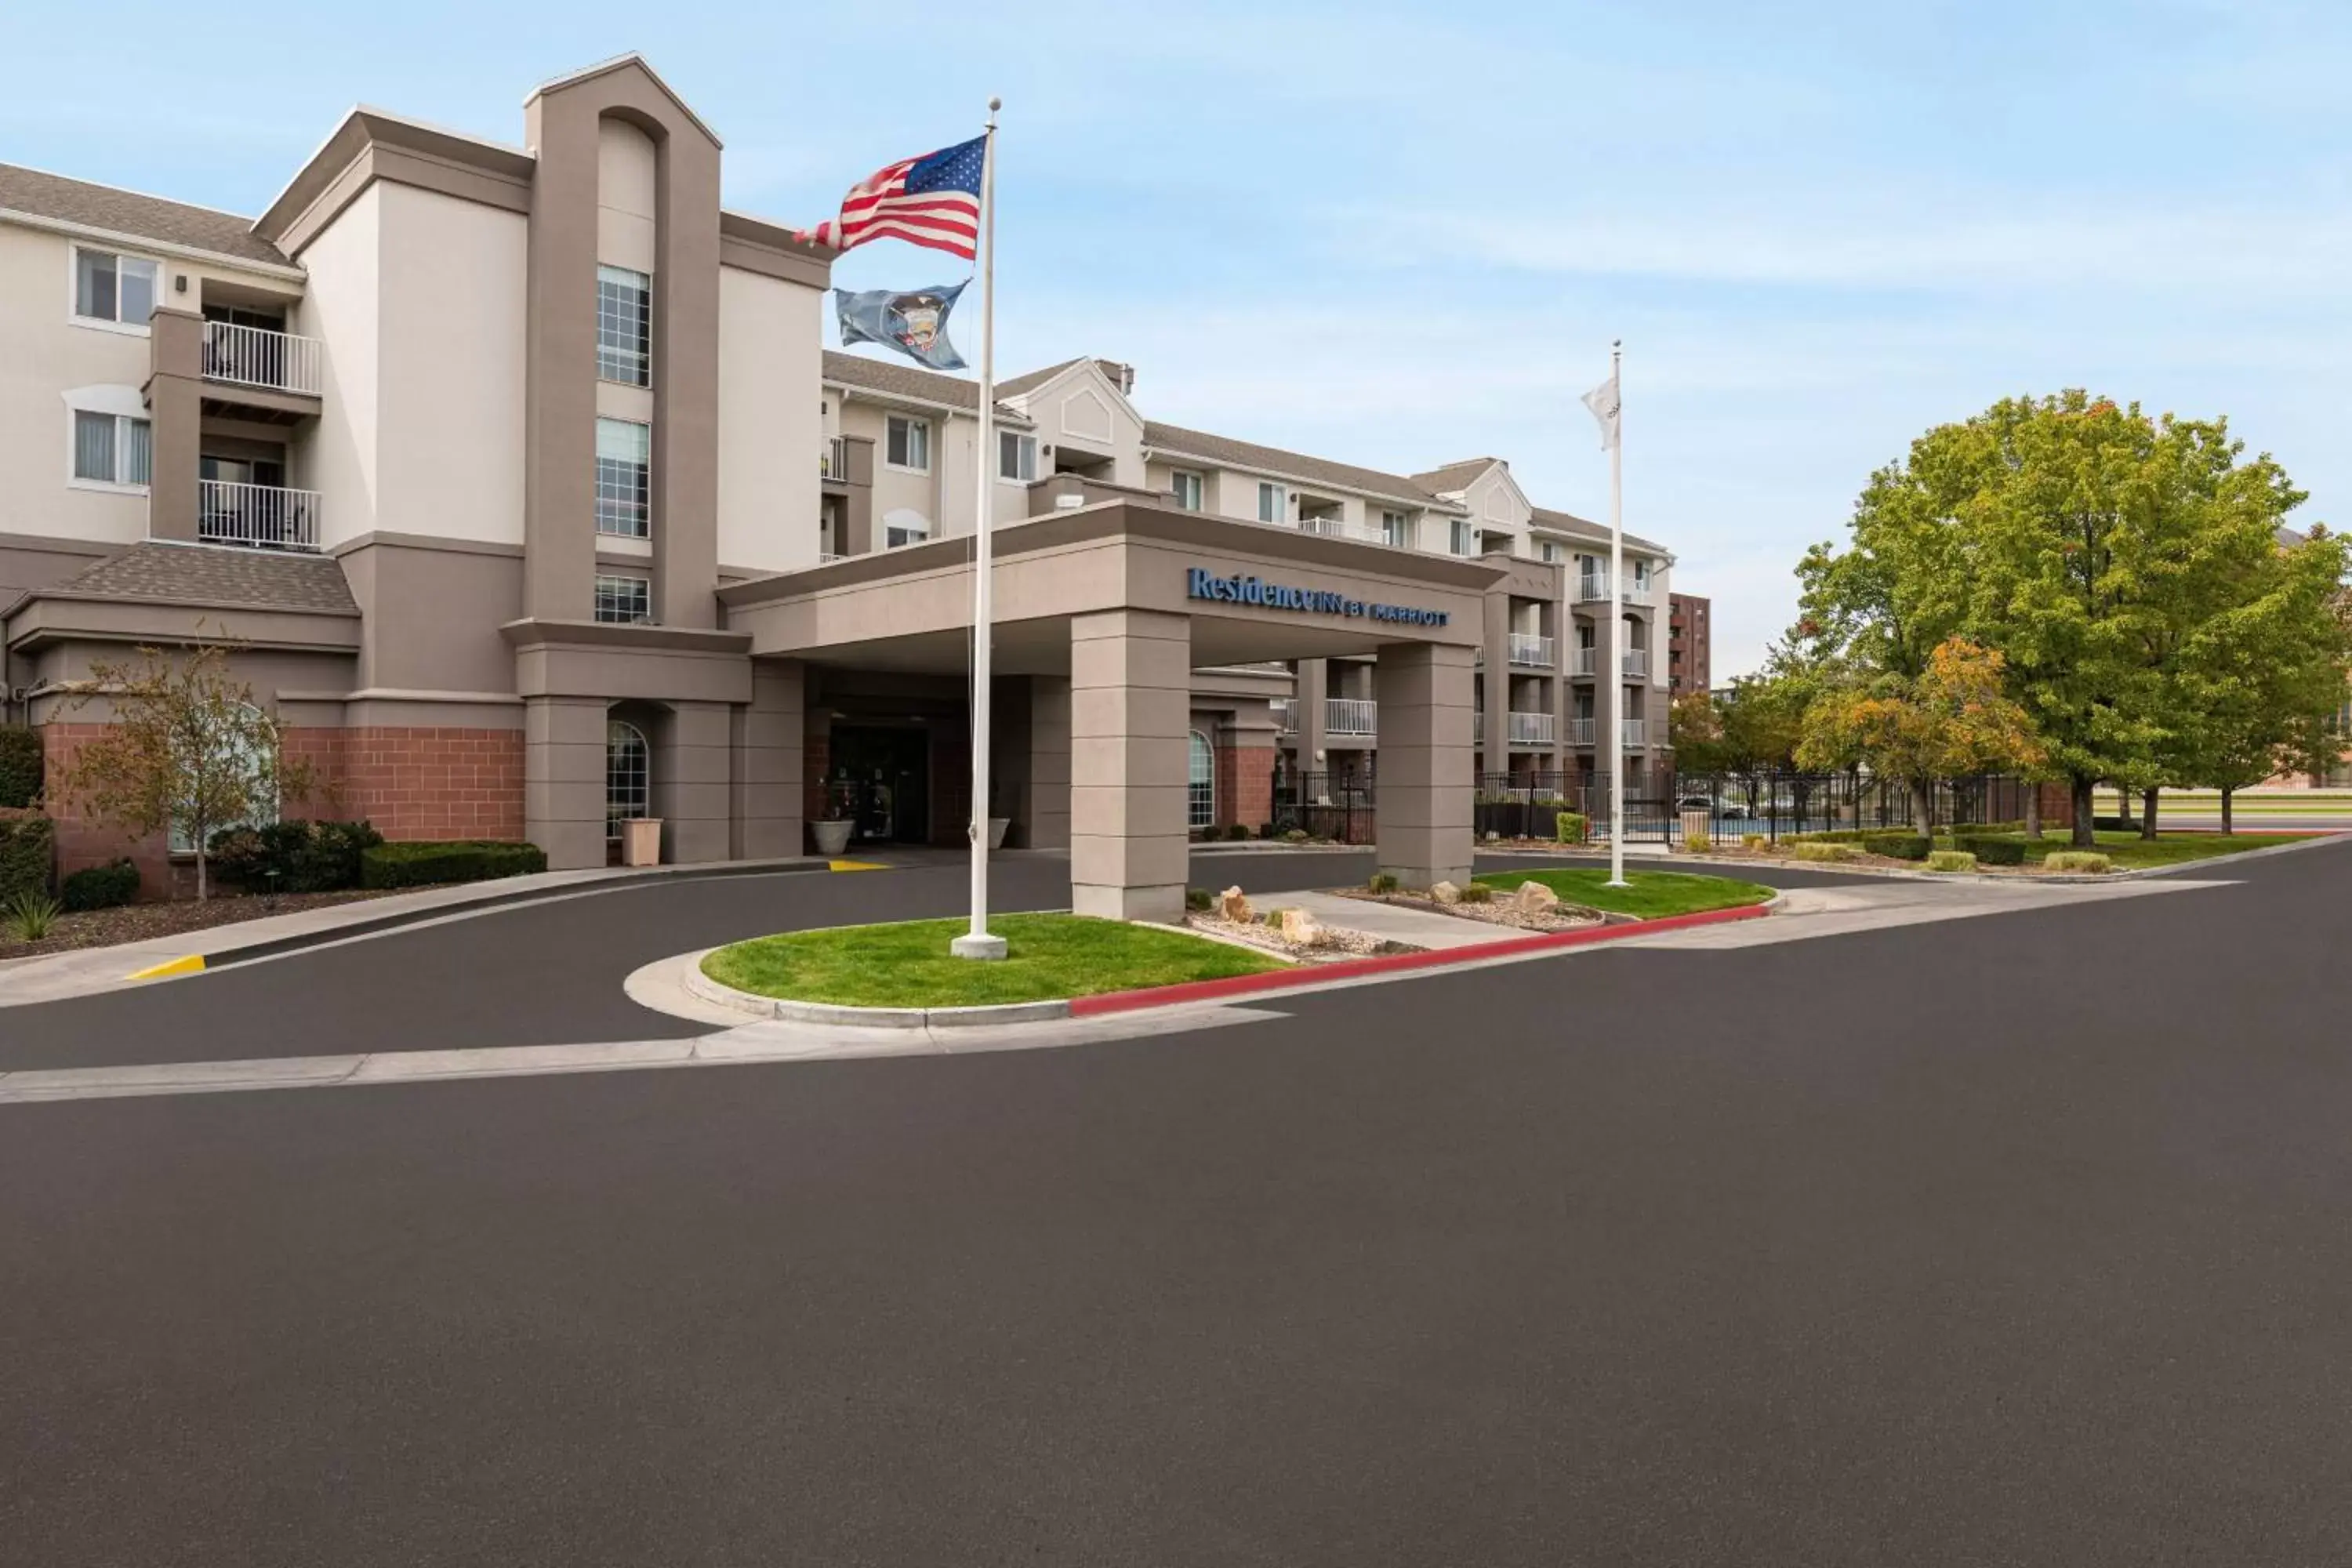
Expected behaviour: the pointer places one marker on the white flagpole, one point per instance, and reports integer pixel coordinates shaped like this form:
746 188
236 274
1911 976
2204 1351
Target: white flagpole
977 943
1617 620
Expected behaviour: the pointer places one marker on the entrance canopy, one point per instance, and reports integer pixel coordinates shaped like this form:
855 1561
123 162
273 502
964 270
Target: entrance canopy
1251 592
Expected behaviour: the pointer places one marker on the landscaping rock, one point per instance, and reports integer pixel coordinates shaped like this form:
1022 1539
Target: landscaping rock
1301 928
1446 893
1534 898
1233 905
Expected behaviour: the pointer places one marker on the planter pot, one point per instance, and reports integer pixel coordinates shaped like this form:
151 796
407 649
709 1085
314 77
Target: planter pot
831 837
641 841
996 827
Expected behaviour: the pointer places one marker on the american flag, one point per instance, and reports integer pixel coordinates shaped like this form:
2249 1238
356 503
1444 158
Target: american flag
932 200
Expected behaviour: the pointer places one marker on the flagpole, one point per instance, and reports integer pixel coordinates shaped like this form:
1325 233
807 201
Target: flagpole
977 943
1617 621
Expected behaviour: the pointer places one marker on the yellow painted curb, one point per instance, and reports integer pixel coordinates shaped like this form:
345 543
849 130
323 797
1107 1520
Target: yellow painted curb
188 966
854 866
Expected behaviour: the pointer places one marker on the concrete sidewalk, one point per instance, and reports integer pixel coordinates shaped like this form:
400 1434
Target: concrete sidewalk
80 972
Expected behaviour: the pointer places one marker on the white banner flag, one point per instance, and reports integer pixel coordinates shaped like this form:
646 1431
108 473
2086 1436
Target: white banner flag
1602 401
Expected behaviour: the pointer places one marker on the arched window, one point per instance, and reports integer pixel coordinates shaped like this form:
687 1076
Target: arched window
628 775
1201 793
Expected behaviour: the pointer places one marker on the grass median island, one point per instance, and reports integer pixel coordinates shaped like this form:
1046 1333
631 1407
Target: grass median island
907 964
1651 895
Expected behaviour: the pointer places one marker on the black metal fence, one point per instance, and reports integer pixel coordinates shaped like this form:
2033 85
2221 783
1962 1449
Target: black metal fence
1325 805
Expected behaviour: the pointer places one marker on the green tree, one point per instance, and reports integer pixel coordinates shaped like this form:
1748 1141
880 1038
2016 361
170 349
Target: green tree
187 751
2259 681
1695 731
1956 718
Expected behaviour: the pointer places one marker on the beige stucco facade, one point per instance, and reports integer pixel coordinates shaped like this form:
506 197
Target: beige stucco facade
514 571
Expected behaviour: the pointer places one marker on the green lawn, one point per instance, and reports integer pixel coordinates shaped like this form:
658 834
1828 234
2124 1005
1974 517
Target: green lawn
1651 894
907 964
2129 851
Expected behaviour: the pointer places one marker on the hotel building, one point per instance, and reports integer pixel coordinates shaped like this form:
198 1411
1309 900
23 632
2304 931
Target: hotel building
519 483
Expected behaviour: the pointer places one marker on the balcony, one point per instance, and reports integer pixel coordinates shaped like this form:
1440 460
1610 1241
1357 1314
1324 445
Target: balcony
1636 733
1348 716
1531 729
1340 528
259 517
257 357
1582 660
1637 661
1593 587
1581 732
833 462
1531 649
1286 714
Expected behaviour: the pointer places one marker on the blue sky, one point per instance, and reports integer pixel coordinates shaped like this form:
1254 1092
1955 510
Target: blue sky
1400 235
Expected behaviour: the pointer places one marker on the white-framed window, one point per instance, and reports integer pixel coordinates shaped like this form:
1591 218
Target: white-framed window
1548 550
115 451
624 465
628 775
1186 488
1273 503
113 288
907 444
1396 528
1462 537
624 326
1016 456
1642 564
180 841
1201 784
903 527
623 599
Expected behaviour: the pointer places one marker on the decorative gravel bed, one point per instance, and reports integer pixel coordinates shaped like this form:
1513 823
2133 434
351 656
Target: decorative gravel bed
1336 942
138 922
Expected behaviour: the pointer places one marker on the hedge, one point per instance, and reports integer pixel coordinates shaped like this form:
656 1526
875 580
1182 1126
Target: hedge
27 851
20 766
1897 845
101 887
2077 861
1998 852
428 864
1571 826
2115 824
1812 849
1951 861
293 857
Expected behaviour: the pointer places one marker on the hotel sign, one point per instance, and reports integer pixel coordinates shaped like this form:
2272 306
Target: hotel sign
1202 584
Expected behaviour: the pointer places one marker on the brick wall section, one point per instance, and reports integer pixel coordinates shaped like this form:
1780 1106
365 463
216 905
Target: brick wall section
425 783
410 783
1244 787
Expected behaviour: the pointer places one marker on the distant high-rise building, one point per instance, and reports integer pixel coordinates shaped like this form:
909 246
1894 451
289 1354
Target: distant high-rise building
1688 644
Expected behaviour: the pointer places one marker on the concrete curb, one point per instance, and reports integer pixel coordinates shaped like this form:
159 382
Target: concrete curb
702 988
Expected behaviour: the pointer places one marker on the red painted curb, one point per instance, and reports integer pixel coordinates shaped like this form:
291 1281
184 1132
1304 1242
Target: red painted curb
1284 979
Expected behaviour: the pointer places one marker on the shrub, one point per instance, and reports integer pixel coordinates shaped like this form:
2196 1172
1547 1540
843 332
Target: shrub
101 887
1699 841
1897 845
1951 861
1838 836
1983 829
2078 860
1197 898
20 766
1998 852
1266 830
1752 841
1571 826
31 914
1237 831
27 847
1296 835
1812 850
421 864
1477 894
2115 824
1382 883
293 857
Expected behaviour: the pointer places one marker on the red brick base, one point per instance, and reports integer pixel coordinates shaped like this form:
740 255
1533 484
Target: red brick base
410 783
1244 787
